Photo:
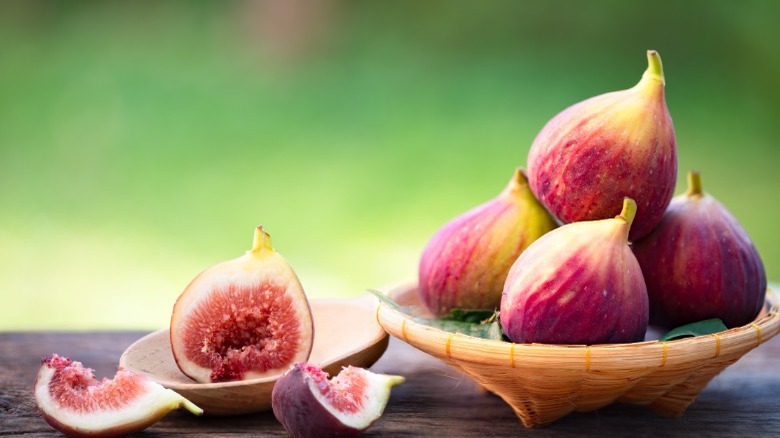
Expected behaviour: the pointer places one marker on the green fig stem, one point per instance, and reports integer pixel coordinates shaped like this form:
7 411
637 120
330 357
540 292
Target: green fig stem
395 380
190 406
655 69
519 181
520 177
628 212
694 184
262 241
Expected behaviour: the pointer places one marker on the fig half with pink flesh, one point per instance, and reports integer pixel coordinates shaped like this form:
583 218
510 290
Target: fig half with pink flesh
309 405
75 403
242 319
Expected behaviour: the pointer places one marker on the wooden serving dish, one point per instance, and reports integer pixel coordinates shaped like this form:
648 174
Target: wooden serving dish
543 383
345 333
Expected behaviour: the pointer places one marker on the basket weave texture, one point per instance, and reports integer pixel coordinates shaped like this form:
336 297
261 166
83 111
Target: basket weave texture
543 383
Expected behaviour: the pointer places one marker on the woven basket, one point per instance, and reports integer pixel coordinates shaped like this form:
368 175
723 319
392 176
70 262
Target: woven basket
543 383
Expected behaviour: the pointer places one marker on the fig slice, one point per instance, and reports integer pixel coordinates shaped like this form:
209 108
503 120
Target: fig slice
242 319
75 403
309 405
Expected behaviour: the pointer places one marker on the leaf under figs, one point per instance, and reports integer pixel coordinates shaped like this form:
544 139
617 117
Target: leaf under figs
700 328
477 323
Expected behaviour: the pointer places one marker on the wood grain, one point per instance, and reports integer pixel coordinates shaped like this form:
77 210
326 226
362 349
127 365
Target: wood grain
435 400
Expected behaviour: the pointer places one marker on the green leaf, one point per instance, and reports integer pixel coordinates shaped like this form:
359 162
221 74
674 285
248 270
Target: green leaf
384 299
469 315
478 323
701 328
484 330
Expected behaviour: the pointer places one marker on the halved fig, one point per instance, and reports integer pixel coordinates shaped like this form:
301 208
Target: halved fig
75 403
242 319
309 405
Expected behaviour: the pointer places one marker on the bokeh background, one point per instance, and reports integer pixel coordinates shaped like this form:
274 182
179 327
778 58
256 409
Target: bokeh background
141 142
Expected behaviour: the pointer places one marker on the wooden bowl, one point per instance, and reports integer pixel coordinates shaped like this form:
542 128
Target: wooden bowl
345 333
543 383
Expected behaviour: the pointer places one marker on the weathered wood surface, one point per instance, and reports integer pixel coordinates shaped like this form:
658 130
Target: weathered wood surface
435 401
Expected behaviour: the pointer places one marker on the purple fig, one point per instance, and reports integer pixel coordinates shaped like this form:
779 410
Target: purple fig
699 263
594 153
578 284
466 262
309 405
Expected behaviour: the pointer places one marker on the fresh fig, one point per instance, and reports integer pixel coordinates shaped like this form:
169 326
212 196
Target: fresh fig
578 284
699 263
75 403
594 153
241 319
309 405
466 262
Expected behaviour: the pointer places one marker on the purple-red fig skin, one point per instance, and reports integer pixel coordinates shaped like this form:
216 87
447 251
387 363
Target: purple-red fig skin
700 263
591 155
300 413
569 288
466 262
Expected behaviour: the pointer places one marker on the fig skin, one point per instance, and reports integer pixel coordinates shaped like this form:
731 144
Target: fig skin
242 319
621 144
578 284
700 263
466 262
146 401
303 415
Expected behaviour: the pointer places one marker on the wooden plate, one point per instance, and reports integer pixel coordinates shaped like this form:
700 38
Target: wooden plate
346 332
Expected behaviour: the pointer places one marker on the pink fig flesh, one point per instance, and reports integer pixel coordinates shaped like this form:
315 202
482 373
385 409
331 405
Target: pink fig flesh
578 284
466 262
241 319
622 144
309 405
700 263
72 401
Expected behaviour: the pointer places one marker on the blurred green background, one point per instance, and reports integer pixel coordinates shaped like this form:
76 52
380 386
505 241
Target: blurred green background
141 142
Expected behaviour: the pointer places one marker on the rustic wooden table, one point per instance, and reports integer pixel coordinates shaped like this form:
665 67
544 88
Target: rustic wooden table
435 401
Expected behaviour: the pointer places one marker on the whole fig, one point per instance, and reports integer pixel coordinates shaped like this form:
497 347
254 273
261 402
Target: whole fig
578 284
594 153
466 262
699 263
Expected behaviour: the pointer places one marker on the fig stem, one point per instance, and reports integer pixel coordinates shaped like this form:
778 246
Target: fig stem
628 212
694 183
190 406
519 180
395 380
262 241
655 69
520 177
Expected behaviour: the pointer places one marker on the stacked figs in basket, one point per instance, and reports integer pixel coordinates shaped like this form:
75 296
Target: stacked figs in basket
588 245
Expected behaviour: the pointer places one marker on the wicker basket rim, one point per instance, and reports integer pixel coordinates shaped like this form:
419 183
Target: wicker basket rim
761 325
